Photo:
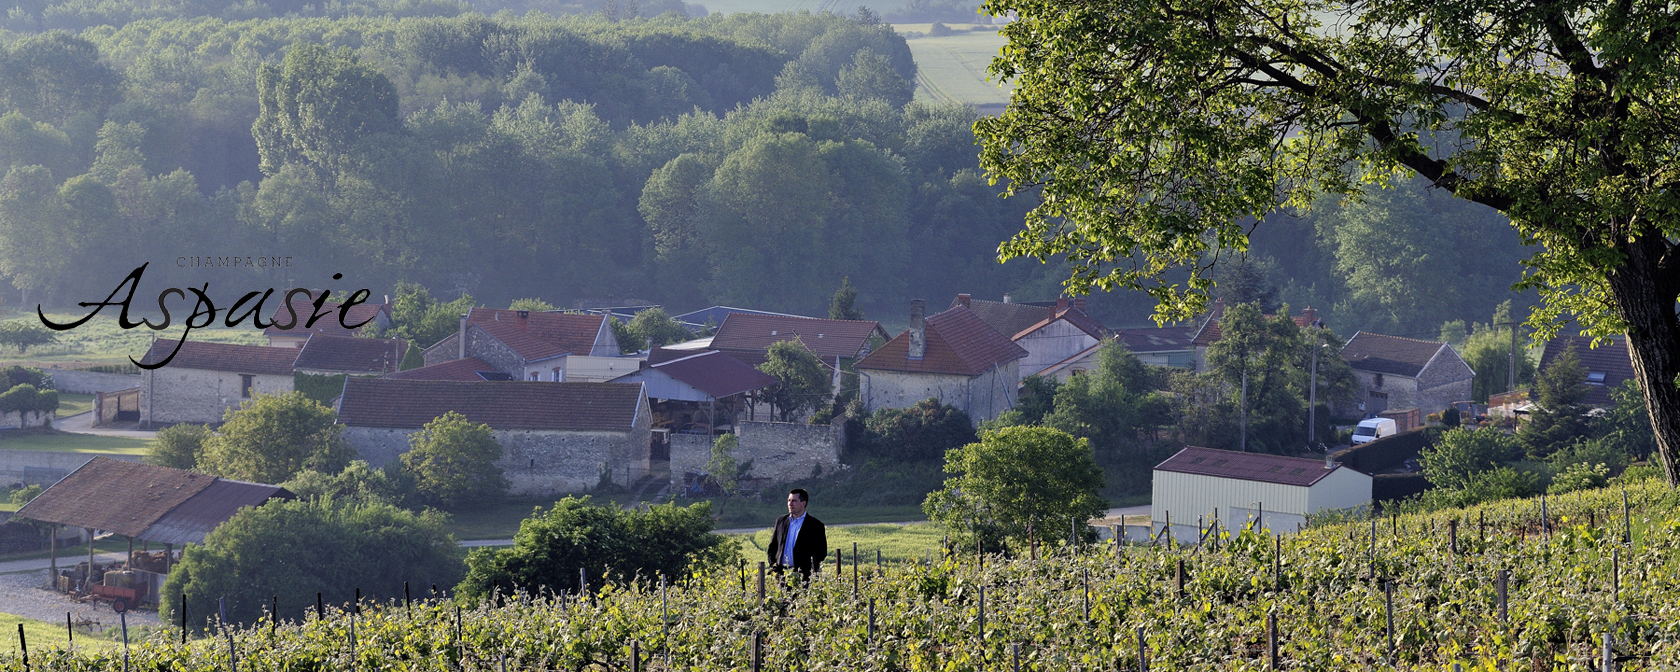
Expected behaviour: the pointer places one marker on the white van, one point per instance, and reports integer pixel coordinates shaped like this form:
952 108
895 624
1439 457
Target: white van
1373 429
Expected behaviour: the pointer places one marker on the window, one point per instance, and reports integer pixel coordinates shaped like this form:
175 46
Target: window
559 375
1595 378
533 376
1377 381
246 380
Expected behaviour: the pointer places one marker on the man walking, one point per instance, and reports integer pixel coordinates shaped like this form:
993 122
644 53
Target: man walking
799 540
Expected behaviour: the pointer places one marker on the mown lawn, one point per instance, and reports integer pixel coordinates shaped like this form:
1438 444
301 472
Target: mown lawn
42 635
75 443
501 521
70 404
897 543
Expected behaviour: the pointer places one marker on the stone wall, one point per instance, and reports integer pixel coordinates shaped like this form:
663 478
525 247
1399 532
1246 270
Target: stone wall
1444 381
535 462
44 467
173 395
982 397
89 382
779 451
25 419
480 345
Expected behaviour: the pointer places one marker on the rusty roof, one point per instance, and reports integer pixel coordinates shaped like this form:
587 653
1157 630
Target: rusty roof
351 355
827 339
133 499
1260 467
410 404
470 369
958 343
224 357
1612 361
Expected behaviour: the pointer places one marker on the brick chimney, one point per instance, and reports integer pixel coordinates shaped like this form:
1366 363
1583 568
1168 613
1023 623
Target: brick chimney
918 329
1079 302
962 299
1309 316
1061 304
524 320
461 343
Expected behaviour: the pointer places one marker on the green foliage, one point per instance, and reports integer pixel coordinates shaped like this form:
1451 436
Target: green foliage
654 328
422 320
802 381
1014 479
1037 398
18 375
290 550
534 305
21 496
453 462
179 446
1488 352
1559 416
722 466
1461 454
319 388
270 438
609 543
24 335
1600 451
358 483
1627 424
1580 476
844 304
1487 486
1111 406
319 108
1275 357
413 358
921 432
26 399
629 342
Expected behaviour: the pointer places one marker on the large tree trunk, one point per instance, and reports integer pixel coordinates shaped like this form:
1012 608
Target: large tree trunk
1645 288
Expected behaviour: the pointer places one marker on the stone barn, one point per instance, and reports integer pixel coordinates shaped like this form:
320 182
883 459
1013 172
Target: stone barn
954 357
205 379
556 438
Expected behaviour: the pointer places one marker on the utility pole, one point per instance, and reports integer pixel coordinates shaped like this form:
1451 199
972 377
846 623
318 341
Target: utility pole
1513 382
1312 400
1245 406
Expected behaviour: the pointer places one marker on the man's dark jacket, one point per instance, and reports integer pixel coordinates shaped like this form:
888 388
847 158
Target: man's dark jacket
810 548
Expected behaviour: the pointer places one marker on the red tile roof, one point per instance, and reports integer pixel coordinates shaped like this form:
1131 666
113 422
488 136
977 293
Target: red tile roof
1073 316
958 342
827 339
328 324
458 370
1393 355
351 355
1611 359
410 404
223 357
1247 466
550 333
1007 318
715 374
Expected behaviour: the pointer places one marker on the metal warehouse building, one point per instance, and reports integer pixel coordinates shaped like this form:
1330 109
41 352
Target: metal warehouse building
1200 485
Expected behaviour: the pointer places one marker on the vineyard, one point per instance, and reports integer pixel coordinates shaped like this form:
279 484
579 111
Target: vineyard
1383 593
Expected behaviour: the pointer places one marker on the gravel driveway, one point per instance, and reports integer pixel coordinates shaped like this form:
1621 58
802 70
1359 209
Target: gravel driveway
24 594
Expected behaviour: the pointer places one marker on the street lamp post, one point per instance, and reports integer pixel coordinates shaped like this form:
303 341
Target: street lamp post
1312 399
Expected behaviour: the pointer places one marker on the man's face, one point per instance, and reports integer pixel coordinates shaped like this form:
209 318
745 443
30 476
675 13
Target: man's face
796 506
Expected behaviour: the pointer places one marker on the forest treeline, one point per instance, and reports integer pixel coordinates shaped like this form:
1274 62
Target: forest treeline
745 159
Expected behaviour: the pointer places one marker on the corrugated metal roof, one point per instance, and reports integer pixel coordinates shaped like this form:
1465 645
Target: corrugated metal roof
212 506
1247 466
145 502
716 374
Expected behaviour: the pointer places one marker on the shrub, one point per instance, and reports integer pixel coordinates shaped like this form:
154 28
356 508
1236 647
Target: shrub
1463 453
26 398
1013 480
270 438
290 550
358 482
22 495
319 388
1580 476
179 446
604 541
920 433
453 462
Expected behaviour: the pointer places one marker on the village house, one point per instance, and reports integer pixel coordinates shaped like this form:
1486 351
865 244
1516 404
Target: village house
376 315
954 357
1060 345
1173 347
526 345
1607 366
556 438
838 344
1397 373
700 393
1008 317
324 355
206 379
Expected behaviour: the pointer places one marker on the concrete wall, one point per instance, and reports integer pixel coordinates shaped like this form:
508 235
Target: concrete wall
44 467
982 397
780 451
89 382
174 394
536 462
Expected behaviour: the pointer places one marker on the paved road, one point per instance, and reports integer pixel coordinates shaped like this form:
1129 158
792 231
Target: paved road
82 423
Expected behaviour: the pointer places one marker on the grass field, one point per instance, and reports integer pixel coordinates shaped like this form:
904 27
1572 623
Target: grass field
502 521
895 542
952 68
76 443
102 340
70 404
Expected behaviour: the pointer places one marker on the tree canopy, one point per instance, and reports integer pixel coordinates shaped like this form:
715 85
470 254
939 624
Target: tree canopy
1014 479
272 437
1159 132
452 462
